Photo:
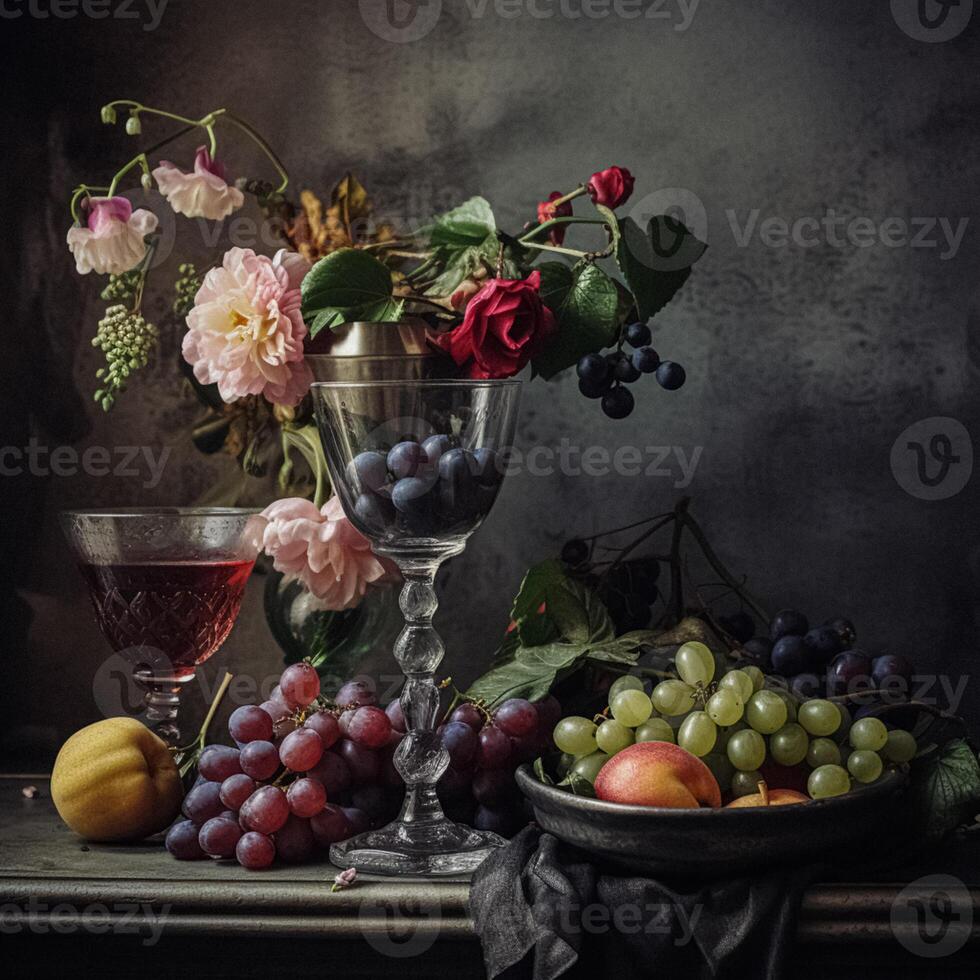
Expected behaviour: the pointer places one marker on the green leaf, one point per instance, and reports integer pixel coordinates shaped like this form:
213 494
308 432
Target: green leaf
585 302
946 788
579 785
346 285
579 614
550 655
534 588
534 627
656 262
612 222
523 666
469 224
541 772
623 649
514 680
457 264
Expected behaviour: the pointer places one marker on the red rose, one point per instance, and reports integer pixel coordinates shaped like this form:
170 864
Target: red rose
547 211
610 187
504 326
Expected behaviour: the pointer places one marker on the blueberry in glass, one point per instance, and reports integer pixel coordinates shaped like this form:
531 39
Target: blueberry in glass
369 471
405 458
435 446
457 483
375 511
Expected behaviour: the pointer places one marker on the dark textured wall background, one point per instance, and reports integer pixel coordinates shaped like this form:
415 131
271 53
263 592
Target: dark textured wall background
805 364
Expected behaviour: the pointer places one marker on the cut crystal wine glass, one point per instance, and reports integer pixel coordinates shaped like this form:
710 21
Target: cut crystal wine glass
166 584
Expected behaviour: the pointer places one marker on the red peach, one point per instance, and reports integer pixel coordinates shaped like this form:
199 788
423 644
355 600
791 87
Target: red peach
657 774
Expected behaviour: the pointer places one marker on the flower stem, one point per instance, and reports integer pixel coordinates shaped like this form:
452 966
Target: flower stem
209 717
207 123
262 145
570 196
139 160
557 248
86 190
553 222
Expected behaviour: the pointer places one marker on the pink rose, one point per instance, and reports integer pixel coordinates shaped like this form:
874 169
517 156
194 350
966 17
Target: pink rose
323 550
611 187
547 210
505 325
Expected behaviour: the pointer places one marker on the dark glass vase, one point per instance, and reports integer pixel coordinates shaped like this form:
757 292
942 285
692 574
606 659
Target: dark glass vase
337 642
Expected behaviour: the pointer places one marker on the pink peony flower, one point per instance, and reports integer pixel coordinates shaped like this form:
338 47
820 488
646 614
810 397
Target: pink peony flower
205 193
112 241
246 329
323 550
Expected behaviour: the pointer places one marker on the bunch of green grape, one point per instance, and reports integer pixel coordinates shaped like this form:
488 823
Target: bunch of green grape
735 725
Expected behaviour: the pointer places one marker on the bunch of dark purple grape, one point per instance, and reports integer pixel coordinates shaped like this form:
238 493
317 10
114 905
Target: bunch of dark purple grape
303 774
306 772
606 376
823 661
430 488
485 749
628 589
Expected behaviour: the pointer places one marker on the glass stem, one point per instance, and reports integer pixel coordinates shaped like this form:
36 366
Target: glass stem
420 758
162 701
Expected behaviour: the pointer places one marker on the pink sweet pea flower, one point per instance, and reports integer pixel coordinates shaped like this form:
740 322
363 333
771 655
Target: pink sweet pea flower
112 240
205 193
246 331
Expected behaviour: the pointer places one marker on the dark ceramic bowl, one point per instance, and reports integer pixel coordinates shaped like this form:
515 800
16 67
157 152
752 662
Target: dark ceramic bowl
709 843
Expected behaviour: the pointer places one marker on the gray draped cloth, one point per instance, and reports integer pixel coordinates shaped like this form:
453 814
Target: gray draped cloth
543 910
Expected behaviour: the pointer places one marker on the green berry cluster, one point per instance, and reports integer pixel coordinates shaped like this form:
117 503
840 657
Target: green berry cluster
127 341
185 288
123 287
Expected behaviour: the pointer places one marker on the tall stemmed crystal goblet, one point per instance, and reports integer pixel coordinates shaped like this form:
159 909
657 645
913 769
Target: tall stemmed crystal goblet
417 466
166 584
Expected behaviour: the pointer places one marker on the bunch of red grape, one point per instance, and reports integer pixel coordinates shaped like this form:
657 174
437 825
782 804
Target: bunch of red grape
307 772
268 797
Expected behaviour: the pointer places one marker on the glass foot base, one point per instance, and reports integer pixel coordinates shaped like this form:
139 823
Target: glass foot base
438 848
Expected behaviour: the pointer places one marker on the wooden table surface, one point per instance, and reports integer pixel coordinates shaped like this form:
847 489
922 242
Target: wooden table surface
68 908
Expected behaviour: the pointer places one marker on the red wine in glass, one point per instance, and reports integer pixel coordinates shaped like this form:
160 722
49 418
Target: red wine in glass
167 584
183 609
